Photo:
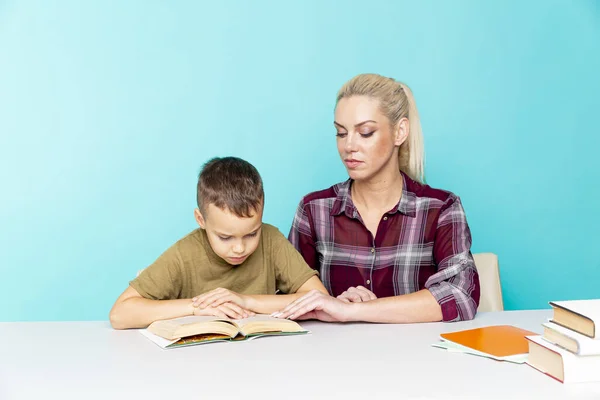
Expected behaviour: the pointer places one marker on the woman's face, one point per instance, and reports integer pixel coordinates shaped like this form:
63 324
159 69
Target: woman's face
366 142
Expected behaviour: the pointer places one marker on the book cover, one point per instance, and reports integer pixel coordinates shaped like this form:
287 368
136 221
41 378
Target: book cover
496 340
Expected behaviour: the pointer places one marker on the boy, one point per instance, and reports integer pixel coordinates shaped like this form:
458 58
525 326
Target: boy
230 267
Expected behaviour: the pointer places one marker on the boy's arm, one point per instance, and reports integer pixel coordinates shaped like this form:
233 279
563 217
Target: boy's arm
132 310
260 304
267 304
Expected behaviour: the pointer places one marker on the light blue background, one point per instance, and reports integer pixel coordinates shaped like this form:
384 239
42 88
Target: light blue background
109 108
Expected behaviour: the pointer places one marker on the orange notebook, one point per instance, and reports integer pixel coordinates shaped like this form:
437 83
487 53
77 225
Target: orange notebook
498 340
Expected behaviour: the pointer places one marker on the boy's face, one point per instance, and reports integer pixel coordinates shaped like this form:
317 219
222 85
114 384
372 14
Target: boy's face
231 237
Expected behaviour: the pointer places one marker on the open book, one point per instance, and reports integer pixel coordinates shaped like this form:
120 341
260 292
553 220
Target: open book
193 330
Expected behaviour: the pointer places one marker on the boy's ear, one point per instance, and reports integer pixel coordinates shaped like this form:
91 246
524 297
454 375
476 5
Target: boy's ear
199 218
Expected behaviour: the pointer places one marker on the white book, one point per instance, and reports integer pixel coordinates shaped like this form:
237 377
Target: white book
561 364
582 316
458 348
573 341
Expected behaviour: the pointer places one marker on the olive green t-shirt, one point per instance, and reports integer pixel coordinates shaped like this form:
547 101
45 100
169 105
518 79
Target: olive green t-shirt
190 267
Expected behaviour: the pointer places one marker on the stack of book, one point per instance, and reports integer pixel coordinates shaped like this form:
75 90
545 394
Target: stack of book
569 349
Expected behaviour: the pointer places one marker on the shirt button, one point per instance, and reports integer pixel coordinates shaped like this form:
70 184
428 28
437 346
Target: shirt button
385 218
372 249
368 282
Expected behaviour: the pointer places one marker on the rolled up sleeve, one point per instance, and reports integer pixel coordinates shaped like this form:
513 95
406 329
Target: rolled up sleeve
455 285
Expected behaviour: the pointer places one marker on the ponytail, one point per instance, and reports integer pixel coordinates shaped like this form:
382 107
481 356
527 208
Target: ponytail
413 156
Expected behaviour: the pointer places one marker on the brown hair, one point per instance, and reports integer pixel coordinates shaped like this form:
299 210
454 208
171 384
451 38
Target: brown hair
230 183
396 101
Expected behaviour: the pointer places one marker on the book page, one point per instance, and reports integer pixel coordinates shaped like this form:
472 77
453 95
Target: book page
575 368
159 341
193 319
263 323
587 308
587 345
193 325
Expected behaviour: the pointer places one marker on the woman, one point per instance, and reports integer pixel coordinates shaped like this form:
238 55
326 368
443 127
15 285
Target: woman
390 248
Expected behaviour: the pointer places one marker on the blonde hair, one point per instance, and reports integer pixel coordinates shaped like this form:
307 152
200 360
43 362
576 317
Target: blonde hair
396 102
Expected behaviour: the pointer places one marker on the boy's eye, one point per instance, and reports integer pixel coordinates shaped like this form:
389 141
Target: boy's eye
252 234
224 238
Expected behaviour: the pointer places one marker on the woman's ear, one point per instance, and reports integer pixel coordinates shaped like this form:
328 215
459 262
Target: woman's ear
402 131
199 218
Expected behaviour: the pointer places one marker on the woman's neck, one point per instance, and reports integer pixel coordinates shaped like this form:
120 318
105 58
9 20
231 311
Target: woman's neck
378 193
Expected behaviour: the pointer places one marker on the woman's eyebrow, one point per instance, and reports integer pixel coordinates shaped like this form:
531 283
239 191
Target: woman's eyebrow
356 126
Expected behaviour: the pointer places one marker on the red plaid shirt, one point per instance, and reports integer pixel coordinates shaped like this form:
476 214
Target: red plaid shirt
424 242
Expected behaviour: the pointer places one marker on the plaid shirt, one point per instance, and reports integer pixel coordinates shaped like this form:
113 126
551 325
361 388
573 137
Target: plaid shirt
422 243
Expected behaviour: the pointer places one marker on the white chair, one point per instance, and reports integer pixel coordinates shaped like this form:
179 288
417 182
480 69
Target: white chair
489 281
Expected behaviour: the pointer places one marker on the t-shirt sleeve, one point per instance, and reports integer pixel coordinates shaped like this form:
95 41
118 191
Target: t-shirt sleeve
290 268
162 279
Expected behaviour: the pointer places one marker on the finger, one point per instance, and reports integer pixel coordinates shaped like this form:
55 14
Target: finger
308 315
239 310
300 300
196 300
344 295
350 296
222 299
283 313
200 298
355 297
361 292
218 313
313 305
301 307
292 304
210 299
357 292
366 292
231 311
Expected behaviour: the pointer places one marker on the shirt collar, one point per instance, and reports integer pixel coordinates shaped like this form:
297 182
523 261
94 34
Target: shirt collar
343 201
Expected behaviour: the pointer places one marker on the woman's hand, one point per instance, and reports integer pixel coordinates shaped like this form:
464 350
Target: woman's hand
357 294
316 305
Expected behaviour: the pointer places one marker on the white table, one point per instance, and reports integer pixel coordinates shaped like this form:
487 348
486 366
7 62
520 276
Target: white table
72 360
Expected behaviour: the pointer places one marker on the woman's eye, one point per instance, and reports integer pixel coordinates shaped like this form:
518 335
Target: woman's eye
340 134
368 134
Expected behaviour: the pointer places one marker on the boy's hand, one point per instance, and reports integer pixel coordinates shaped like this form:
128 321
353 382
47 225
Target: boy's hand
357 295
219 296
226 310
